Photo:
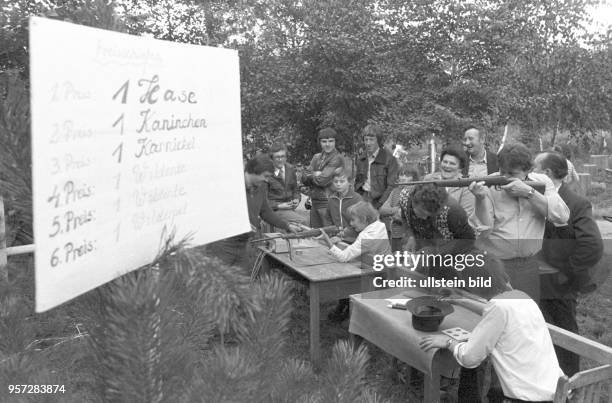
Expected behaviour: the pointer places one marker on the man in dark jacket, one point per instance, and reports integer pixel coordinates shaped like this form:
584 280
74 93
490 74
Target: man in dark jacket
573 250
320 174
236 251
283 192
377 170
481 162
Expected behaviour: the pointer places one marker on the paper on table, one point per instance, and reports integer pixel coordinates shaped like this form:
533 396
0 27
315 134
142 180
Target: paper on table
398 301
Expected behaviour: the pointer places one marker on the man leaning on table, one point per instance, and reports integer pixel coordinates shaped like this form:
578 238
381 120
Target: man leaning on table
513 333
236 251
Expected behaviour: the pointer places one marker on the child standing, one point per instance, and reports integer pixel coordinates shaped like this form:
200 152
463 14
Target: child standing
339 202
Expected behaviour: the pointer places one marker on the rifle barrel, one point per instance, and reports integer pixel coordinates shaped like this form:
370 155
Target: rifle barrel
464 182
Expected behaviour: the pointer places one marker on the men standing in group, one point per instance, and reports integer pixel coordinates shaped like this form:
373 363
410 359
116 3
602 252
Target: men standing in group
481 162
283 192
377 170
235 251
571 249
515 216
320 174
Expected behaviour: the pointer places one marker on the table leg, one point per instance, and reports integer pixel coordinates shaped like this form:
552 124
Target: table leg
315 354
431 388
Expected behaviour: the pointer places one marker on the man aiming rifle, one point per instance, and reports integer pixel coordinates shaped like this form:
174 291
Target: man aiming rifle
488 181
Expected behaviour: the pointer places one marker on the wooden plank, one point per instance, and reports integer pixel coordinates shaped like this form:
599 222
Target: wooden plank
591 376
580 345
597 391
3 254
562 390
20 250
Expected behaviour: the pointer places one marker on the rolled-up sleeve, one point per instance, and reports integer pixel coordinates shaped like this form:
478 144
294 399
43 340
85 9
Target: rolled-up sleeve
483 339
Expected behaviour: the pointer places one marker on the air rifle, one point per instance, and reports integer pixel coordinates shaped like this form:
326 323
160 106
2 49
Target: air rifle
464 182
330 230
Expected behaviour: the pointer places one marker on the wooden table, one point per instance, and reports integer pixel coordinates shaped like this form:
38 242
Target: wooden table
392 331
327 281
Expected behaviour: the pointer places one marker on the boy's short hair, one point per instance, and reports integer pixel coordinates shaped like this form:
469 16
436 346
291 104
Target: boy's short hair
365 211
515 156
343 172
327 133
259 164
409 170
373 130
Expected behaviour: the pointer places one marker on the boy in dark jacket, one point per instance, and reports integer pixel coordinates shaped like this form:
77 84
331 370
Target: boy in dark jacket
340 200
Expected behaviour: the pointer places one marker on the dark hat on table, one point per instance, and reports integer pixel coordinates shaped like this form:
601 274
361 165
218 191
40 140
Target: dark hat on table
428 312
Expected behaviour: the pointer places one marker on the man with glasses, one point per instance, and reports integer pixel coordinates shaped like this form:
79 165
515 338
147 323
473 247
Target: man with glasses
283 192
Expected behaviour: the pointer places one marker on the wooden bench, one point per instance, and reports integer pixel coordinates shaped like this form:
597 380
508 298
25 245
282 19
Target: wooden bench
585 386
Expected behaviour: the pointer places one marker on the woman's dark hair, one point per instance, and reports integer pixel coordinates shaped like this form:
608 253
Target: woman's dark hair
456 152
515 156
430 196
259 165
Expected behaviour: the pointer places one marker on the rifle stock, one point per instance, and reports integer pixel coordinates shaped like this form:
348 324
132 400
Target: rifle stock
488 181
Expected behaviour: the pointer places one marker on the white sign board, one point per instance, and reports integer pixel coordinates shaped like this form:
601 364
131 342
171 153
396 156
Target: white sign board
131 138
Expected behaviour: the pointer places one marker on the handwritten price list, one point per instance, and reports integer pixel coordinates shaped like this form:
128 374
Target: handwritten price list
127 154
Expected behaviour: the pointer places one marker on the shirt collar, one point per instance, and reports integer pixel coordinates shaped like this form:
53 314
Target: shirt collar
482 161
373 156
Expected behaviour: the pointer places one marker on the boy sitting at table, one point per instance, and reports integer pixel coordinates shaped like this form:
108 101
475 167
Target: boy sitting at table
339 203
513 333
372 239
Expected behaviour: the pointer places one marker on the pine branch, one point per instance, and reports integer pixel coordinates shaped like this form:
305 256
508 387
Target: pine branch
295 382
227 291
345 376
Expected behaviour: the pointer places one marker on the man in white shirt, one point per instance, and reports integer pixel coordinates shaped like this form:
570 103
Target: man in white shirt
513 333
516 215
